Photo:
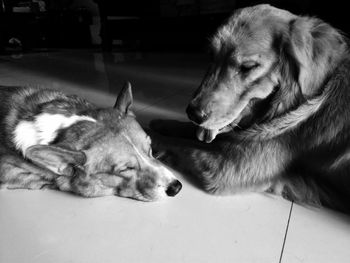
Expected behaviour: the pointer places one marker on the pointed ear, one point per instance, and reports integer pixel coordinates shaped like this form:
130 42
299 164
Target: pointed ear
124 100
58 160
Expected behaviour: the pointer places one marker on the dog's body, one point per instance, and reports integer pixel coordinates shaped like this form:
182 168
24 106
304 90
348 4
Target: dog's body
60 141
279 91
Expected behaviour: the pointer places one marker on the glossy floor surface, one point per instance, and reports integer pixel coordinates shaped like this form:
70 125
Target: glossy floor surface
49 226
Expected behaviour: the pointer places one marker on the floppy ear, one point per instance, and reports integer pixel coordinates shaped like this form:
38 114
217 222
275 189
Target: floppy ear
124 100
313 48
56 159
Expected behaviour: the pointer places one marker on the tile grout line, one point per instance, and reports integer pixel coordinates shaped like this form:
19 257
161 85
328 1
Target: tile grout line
286 233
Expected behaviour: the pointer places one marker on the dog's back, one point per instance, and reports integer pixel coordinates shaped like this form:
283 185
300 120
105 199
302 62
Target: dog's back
21 105
19 110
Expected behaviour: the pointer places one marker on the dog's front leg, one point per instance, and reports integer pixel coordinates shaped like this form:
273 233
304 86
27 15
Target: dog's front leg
190 157
249 166
225 165
16 173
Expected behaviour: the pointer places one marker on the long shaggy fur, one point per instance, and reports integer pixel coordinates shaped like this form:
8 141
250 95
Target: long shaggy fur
297 140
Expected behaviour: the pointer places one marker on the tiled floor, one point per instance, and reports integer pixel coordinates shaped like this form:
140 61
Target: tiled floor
49 226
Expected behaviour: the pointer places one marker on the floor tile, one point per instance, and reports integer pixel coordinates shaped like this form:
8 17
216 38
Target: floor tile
48 226
316 235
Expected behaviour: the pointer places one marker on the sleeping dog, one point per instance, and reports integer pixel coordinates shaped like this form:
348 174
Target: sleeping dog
49 139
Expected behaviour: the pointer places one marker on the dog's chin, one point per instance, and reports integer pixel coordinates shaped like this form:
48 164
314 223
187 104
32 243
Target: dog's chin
151 196
208 131
208 134
146 198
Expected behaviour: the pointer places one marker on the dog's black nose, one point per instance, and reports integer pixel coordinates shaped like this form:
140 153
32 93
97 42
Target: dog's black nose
173 188
195 115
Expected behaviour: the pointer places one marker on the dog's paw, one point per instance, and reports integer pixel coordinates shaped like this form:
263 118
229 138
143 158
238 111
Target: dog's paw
66 170
288 195
63 183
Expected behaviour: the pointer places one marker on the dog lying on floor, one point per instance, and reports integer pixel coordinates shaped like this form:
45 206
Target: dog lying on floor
278 93
49 139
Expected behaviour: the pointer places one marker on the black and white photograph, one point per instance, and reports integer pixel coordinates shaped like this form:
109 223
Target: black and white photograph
180 131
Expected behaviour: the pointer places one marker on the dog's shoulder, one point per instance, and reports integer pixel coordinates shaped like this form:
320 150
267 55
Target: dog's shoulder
25 103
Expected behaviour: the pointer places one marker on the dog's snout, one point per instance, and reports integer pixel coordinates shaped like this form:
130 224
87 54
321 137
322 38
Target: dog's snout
174 188
195 115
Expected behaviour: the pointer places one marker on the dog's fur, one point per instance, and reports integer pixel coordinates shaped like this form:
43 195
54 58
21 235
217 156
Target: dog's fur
49 139
278 90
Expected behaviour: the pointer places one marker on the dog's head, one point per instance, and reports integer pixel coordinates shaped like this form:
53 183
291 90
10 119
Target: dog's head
112 156
263 56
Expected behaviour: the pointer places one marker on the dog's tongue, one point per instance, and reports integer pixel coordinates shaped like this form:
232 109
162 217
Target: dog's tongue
206 135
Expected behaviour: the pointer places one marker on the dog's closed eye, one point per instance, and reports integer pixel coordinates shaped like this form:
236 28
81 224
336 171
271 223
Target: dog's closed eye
116 170
126 169
248 66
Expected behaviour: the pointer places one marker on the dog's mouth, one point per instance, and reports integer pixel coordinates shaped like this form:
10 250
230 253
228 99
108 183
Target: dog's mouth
251 114
208 135
238 123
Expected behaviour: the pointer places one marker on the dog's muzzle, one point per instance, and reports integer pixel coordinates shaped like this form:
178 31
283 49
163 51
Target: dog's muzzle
173 188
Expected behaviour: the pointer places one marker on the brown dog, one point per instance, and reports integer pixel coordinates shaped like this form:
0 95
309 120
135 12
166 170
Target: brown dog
50 139
278 87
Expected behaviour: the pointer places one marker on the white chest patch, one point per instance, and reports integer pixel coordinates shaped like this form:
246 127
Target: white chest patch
43 129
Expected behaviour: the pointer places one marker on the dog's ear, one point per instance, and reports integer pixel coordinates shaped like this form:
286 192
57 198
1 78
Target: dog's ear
313 48
124 100
56 159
